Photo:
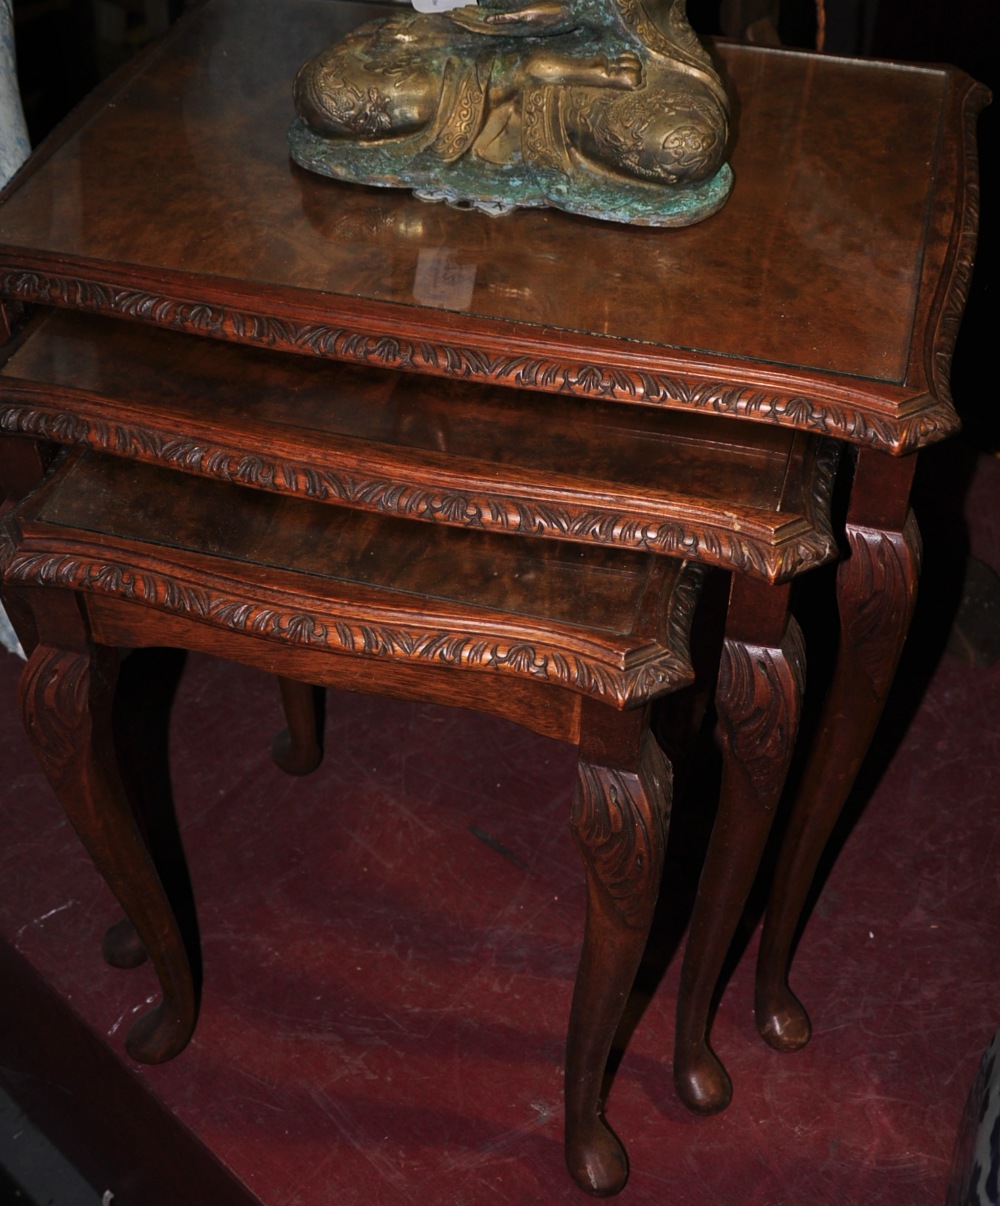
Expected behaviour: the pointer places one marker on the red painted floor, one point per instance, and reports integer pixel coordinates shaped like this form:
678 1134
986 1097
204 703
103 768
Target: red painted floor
389 947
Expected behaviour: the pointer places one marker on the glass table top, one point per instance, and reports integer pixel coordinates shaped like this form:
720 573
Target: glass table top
814 263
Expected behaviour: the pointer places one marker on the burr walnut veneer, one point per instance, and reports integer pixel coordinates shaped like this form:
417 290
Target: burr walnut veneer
216 311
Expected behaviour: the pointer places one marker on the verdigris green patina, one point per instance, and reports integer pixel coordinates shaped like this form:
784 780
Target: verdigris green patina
609 108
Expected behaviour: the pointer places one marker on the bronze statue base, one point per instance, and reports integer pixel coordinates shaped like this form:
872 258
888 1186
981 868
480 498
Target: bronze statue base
606 108
498 192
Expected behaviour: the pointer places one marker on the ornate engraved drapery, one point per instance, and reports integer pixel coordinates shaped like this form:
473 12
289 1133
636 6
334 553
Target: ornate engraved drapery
609 108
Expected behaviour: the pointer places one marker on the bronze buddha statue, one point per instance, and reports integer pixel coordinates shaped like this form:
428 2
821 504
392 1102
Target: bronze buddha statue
609 108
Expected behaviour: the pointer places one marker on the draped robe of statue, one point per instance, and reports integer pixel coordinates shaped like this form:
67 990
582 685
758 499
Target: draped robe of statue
609 108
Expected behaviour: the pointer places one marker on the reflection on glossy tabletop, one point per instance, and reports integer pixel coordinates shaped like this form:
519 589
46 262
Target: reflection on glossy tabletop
219 153
748 497
549 581
817 263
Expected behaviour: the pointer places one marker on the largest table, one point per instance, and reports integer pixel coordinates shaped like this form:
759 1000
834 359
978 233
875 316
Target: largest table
826 296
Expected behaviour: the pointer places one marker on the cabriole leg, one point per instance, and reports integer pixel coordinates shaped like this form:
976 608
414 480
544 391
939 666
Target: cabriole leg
298 748
66 701
876 593
619 820
759 702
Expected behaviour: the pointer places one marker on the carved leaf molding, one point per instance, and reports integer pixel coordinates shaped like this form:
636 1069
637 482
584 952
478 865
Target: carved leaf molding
618 820
666 669
497 512
956 289
759 694
927 421
880 577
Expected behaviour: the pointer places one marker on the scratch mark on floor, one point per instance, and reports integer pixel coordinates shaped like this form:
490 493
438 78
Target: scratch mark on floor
135 1009
341 1119
486 1151
45 916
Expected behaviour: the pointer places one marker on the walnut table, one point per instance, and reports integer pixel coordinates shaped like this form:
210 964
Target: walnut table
825 297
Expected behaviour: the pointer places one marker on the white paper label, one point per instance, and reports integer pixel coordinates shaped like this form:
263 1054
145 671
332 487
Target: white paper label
442 281
437 6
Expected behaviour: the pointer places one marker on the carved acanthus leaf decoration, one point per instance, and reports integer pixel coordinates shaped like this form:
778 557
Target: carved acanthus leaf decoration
663 670
54 691
463 508
925 420
759 696
618 820
880 579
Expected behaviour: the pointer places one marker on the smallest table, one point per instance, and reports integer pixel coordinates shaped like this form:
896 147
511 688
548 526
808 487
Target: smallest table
574 642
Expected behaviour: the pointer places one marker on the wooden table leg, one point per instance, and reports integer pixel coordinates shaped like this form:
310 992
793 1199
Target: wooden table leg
759 702
619 820
66 703
298 748
23 463
876 592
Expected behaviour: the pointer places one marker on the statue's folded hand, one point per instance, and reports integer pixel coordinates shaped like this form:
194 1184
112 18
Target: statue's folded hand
624 71
539 17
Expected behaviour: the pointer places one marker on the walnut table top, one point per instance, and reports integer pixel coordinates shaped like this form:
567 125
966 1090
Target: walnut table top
825 295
